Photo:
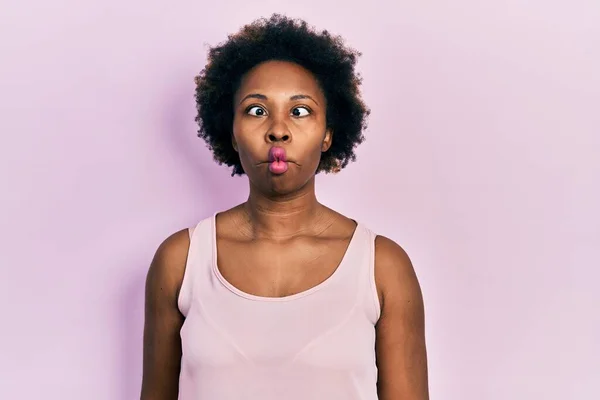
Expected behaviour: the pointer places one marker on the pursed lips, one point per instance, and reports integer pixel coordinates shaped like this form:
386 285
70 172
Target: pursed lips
287 161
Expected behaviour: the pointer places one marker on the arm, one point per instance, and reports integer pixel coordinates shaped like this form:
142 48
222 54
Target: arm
400 340
163 321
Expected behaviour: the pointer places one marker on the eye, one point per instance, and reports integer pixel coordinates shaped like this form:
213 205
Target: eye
257 111
300 111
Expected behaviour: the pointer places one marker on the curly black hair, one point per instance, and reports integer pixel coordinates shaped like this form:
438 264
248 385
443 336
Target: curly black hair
284 39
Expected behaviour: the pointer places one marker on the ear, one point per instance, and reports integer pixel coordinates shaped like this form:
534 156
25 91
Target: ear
234 143
327 140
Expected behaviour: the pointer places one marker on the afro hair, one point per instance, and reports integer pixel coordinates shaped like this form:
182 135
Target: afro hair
284 39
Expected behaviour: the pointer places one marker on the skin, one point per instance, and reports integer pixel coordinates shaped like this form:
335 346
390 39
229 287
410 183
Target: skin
282 241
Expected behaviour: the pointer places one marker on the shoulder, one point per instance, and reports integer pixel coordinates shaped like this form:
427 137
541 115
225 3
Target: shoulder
168 264
400 331
173 250
388 252
395 276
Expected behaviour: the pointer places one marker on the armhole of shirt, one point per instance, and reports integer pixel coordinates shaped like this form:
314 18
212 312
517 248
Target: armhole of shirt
184 299
376 306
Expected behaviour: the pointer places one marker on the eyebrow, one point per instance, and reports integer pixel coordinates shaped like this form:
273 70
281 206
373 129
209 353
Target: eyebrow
263 97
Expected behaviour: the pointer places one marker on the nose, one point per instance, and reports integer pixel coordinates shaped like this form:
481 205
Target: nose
278 132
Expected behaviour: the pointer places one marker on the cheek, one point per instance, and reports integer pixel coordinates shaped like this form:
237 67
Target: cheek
245 148
245 134
238 130
313 148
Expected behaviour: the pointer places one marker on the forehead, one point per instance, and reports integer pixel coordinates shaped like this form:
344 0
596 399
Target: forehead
273 78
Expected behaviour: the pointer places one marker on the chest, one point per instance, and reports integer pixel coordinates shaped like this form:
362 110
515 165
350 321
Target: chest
324 339
277 269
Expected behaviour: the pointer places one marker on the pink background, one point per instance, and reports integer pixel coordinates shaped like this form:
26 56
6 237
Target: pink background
482 160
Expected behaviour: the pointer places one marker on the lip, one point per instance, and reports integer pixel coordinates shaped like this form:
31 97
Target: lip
277 153
287 161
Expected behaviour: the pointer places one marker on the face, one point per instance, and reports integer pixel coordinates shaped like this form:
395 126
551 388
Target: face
279 126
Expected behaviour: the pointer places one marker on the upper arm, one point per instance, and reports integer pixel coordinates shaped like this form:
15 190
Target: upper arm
163 321
400 340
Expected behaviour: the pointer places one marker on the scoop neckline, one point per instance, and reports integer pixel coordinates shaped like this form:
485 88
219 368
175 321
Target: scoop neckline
304 293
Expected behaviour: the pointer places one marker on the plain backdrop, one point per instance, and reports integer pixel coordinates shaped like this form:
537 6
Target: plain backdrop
481 160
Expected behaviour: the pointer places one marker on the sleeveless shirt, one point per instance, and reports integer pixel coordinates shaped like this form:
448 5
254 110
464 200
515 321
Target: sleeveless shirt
318 344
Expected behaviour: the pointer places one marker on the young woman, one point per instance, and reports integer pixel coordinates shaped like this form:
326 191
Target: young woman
282 297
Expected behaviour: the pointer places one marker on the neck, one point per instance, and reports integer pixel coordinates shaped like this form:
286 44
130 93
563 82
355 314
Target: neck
285 216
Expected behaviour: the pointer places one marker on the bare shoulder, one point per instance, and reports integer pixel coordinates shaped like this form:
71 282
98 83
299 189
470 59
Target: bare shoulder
163 321
400 341
395 276
168 264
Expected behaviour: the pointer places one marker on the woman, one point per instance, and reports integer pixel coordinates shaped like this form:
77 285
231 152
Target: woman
281 297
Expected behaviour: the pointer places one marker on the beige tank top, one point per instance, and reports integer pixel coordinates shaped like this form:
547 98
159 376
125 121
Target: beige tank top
315 345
